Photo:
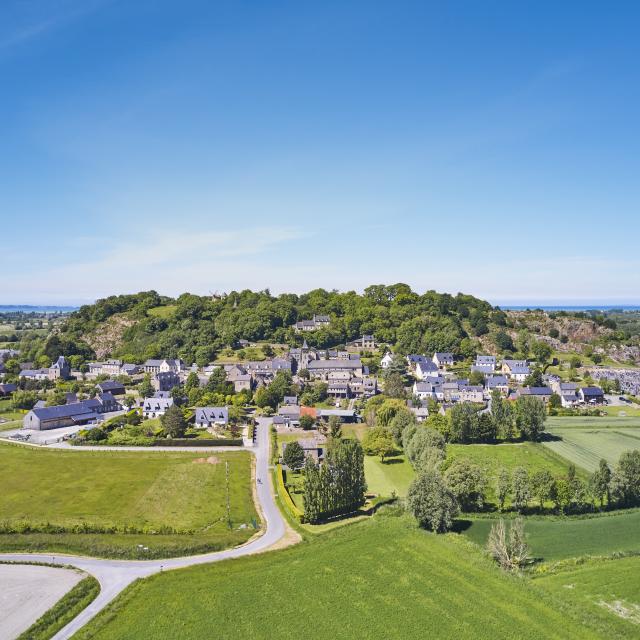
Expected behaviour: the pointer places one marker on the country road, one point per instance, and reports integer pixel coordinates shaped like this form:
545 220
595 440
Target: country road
115 575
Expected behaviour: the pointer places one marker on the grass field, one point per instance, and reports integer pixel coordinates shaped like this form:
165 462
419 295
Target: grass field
164 311
608 590
383 478
586 447
146 491
591 422
559 538
382 578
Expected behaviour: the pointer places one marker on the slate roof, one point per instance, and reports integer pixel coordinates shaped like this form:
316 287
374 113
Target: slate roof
78 410
536 391
592 391
212 414
334 364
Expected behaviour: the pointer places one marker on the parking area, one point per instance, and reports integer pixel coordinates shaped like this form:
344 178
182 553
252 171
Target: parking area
29 591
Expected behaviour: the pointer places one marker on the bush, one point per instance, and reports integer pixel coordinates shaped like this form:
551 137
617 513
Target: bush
431 502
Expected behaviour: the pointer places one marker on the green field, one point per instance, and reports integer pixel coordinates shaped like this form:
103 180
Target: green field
381 578
383 478
143 490
591 422
586 447
559 538
609 591
165 311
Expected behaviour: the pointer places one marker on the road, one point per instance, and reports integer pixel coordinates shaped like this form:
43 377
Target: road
115 575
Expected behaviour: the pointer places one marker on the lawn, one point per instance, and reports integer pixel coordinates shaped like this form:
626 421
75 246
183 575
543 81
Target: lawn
164 311
143 490
383 478
586 447
558 538
608 590
381 578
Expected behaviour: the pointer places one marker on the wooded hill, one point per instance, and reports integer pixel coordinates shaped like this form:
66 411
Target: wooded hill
195 328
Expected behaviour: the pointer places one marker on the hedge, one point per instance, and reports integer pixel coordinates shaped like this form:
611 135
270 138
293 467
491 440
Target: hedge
198 442
286 498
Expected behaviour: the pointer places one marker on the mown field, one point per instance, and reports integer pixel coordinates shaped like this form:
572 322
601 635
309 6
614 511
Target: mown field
396 474
608 591
586 447
142 490
553 539
382 578
591 422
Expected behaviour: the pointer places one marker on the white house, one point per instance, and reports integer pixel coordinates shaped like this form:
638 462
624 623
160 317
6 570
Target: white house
386 361
427 369
443 359
516 370
156 407
211 417
484 364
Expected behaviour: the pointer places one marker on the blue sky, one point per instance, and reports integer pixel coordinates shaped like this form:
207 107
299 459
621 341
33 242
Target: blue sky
485 147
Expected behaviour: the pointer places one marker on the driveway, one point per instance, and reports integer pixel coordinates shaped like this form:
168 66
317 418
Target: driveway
115 575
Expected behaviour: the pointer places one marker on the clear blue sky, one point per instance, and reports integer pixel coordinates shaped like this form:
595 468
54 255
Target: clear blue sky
485 147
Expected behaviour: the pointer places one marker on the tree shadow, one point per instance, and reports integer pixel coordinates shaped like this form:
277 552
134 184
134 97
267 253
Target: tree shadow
461 525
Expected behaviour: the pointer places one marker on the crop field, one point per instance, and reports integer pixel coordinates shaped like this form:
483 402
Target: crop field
378 578
609 591
586 447
144 491
553 539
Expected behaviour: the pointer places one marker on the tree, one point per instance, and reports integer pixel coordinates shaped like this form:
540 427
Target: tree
503 487
335 428
293 455
307 422
555 401
530 417
542 485
399 423
23 399
431 502
378 442
626 479
388 410
193 382
128 401
173 422
542 352
521 488
463 421
599 483
476 378
467 482
486 428
394 386
502 415
503 341
424 447
512 552
146 388
534 379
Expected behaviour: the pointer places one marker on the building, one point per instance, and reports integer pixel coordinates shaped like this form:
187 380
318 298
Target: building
484 364
113 367
386 361
499 382
346 415
471 393
516 370
365 343
207 417
111 386
156 407
426 369
60 369
317 322
68 415
443 359
7 389
542 393
426 390
313 448
165 380
322 368
591 395
163 366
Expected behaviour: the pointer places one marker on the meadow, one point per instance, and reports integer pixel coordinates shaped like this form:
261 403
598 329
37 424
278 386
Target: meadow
553 539
379 578
608 591
586 447
170 502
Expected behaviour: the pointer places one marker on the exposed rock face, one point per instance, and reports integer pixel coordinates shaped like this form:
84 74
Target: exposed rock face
108 336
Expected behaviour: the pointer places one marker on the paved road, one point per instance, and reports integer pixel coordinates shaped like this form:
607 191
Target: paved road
115 575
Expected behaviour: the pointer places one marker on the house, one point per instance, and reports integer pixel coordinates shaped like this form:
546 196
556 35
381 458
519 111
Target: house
425 390
111 386
163 366
346 415
591 395
290 400
290 413
542 393
108 368
386 361
426 369
498 382
443 359
568 392
364 387
313 447
413 359
207 417
484 364
516 370
471 393
322 368
317 322
420 413
34 374
60 369
338 390
156 407
7 389
104 403
365 343
165 380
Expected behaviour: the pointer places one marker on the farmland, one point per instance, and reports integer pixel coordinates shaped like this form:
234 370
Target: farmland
585 447
173 503
559 538
401 583
608 591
